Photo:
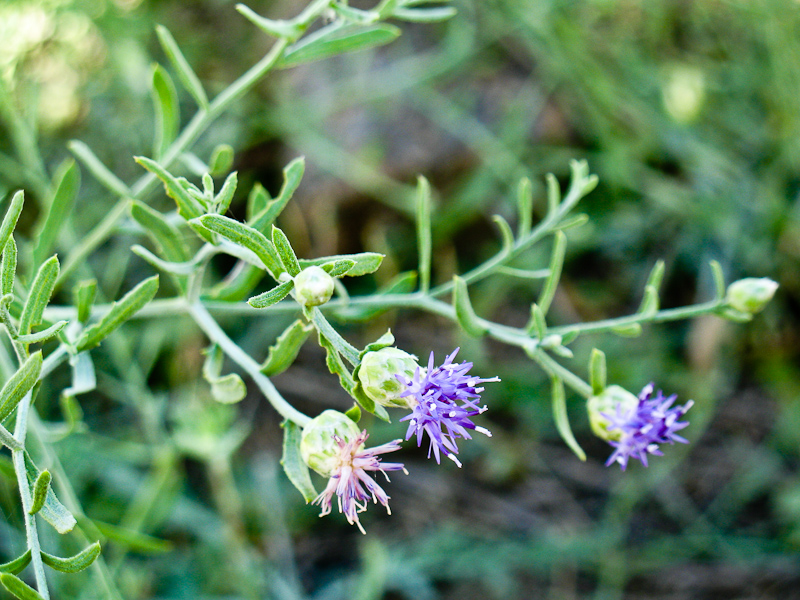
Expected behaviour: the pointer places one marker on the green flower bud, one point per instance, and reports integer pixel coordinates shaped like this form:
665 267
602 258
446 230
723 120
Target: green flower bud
608 402
318 446
313 286
378 375
752 294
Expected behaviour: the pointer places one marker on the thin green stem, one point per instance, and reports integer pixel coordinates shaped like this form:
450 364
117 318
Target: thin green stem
215 333
343 347
551 366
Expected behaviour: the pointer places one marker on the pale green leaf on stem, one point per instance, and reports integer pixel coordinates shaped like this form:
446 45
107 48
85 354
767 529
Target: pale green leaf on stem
128 538
73 564
507 235
556 264
221 160
572 222
285 349
40 488
465 314
188 207
225 196
338 38
186 75
629 330
524 207
44 335
19 588
719 280
239 283
17 565
272 296
597 371
553 194
11 217
338 268
66 183
19 384
424 237
167 110
39 295
285 251
8 267
52 511
226 389
289 30
561 418
291 461
265 217
257 201
93 164
364 262
164 234
83 295
247 237
120 311
425 15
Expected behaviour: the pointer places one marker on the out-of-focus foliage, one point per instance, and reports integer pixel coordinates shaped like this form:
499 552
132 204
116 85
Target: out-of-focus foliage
688 111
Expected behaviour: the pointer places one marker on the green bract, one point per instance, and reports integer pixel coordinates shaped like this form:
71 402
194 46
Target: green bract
313 286
318 446
378 375
752 294
608 402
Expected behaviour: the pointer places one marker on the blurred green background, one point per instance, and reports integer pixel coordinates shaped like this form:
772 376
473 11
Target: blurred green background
689 112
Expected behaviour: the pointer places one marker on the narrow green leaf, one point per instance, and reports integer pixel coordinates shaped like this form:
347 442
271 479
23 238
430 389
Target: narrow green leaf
8 267
120 311
368 403
425 15
631 330
386 340
6 465
257 201
83 297
89 160
221 160
505 231
53 511
163 233
225 196
188 207
338 268
285 349
354 413
597 371
570 336
66 183
17 565
292 175
656 275
466 316
561 418
272 296
73 564
40 489
239 284
19 384
41 336
84 378
537 323
285 252
649 303
337 39
39 295
133 540
179 269
181 65
19 588
227 389
553 194
572 222
556 264
247 237
719 280
167 110
281 29
524 206
11 217
424 239
364 262
292 463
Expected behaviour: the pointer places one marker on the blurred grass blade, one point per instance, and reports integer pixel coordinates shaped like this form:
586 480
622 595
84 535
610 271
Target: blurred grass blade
120 311
272 296
285 251
285 349
465 314
560 416
41 336
424 238
507 235
719 280
188 207
19 588
11 217
66 183
83 298
73 564
167 110
572 222
364 262
185 73
597 371
41 290
19 384
556 264
280 29
292 463
425 15
8 267
524 207
247 237
17 565
128 538
292 175
337 38
89 160
40 488
553 194
163 233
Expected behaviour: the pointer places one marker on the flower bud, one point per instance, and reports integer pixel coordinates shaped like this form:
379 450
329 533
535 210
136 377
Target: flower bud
378 375
610 401
313 286
752 294
318 446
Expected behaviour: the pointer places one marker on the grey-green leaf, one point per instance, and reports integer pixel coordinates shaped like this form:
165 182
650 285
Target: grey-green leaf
365 262
89 160
425 15
337 39
19 384
221 160
293 465
66 183
247 237
225 196
285 252
167 110
273 296
524 206
292 175
73 564
283 353
188 207
8 268
11 217
53 511
17 565
185 73
465 314
338 268
19 588
597 371
162 232
556 263
41 336
129 538
83 297
561 418
40 488
39 295
120 311
424 239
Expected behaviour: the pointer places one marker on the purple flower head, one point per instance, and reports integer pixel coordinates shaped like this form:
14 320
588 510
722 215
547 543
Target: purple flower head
443 401
350 481
645 425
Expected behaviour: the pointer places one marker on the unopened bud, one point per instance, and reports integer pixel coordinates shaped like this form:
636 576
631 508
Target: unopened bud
313 286
752 294
318 445
378 375
613 399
